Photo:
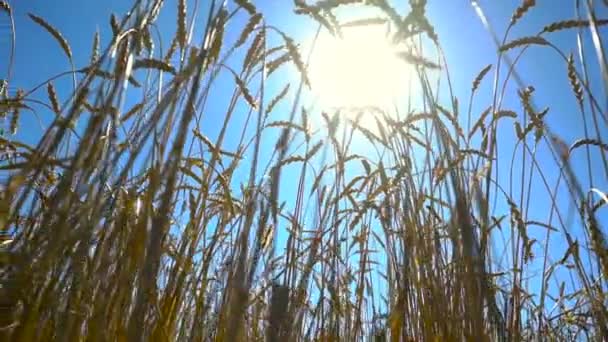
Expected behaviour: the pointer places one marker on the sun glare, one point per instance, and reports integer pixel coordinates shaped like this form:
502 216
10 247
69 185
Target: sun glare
360 69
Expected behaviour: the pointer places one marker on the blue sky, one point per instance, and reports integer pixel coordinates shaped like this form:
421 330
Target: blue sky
467 45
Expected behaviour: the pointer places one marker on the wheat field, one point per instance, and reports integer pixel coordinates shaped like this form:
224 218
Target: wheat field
183 188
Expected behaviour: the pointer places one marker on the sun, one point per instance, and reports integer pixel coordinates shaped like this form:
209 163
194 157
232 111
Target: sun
359 69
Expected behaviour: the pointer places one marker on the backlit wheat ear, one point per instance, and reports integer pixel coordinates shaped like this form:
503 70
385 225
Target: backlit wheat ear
4 6
276 63
574 82
106 75
245 91
428 28
521 10
305 124
570 24
254 49
114 25
480 77
151 63
333 23
364 22
532 40
417 60
314 149
325 18
137 108
148 41
296 57
598 242
171 50
277 99
3 89
452 118
253 22
517 219
217 35
519 132
504 113
181 34
14 124
52 94
287 125
480 121
384 6
525 96
55 33
247 6
592 142
95 49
